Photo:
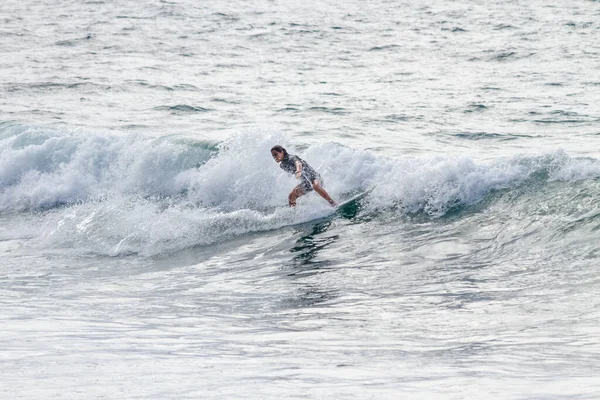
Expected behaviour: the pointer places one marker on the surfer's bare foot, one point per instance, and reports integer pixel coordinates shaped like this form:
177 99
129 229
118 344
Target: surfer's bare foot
322 192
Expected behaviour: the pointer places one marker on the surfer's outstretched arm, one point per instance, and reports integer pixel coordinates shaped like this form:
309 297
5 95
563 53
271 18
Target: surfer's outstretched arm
322 192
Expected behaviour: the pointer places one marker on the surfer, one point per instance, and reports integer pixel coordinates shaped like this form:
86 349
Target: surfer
309 178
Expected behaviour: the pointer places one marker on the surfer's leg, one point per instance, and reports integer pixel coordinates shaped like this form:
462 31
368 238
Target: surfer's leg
322 192
294 194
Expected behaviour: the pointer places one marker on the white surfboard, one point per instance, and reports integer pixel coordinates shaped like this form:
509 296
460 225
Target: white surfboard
352 200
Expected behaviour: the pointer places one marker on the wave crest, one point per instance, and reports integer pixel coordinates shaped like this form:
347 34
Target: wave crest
113 194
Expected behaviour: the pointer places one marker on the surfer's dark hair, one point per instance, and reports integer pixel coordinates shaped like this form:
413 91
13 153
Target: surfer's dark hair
280 149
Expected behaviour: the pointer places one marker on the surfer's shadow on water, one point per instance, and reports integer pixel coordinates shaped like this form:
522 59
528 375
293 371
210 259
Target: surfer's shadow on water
308 248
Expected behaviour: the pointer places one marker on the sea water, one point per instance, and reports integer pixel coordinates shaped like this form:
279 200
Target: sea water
146 249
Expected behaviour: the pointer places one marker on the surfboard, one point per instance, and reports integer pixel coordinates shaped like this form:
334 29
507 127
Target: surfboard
350 206
354 198
346 209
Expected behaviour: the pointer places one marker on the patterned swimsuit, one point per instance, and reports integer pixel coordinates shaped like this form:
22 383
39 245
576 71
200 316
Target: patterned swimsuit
308 173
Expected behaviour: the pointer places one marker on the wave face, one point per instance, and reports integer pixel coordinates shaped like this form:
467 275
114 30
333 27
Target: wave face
121 194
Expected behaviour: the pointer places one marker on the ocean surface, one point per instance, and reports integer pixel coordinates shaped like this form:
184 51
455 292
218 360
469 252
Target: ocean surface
146 246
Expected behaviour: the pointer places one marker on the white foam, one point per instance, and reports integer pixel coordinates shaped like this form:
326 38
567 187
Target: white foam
42 168
567 169
434 185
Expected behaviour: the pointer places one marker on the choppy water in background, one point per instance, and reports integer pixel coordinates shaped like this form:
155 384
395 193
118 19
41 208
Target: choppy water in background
146 252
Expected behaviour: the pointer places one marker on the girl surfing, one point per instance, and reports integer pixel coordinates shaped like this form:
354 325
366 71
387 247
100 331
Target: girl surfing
309 178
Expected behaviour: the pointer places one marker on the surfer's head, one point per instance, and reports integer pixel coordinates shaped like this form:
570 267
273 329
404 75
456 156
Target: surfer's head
279 153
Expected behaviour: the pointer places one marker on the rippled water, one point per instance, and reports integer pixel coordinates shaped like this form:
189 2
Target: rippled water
146 250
